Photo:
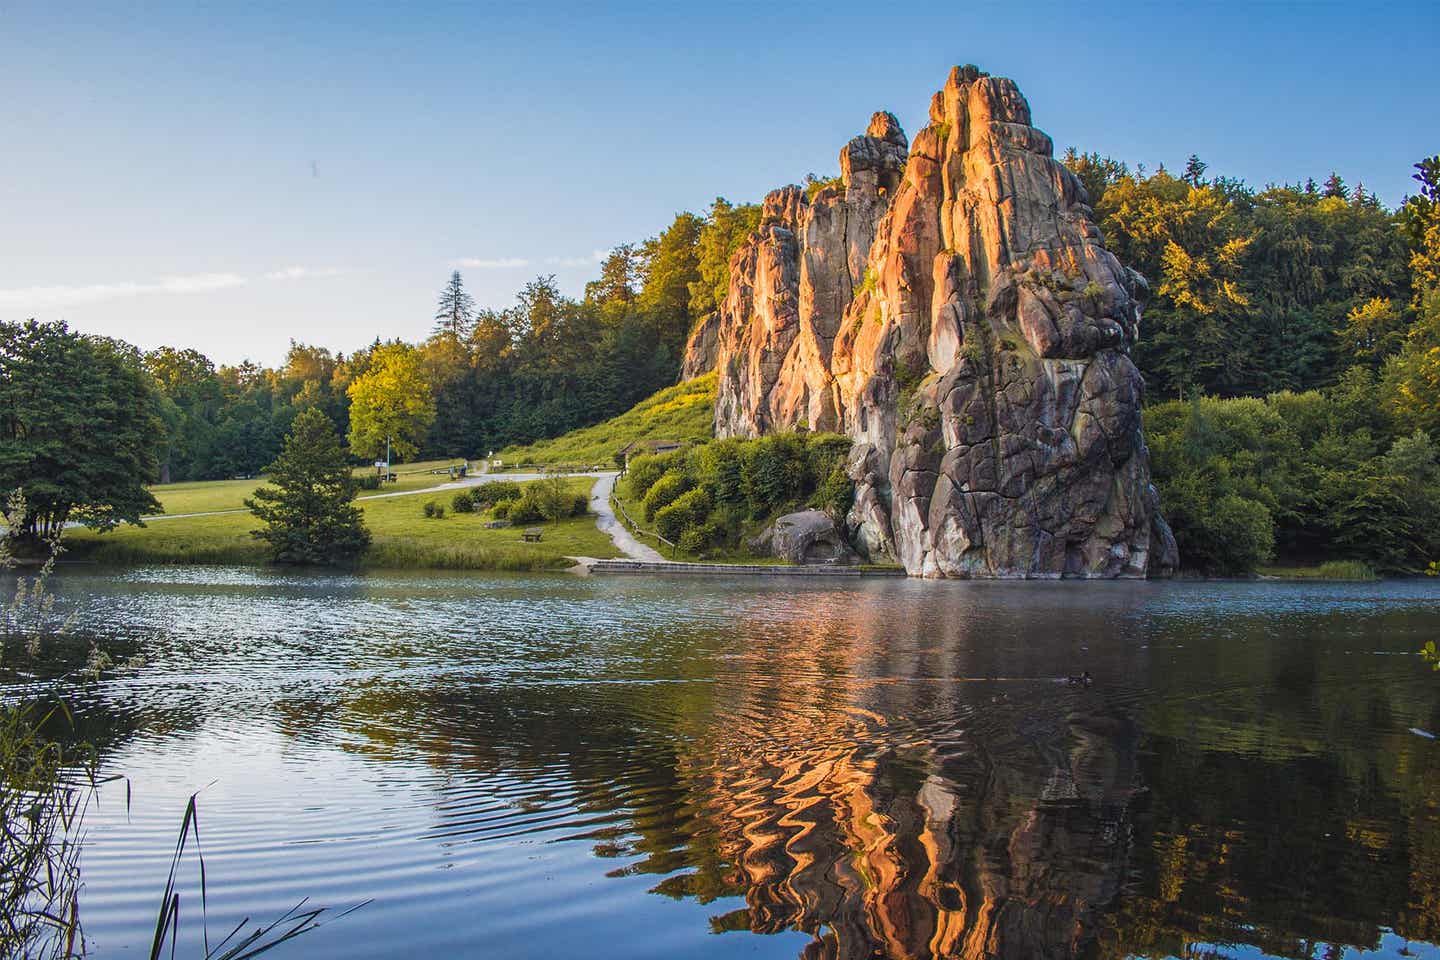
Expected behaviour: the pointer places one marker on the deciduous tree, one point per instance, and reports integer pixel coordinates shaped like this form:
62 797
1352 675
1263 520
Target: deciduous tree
391 403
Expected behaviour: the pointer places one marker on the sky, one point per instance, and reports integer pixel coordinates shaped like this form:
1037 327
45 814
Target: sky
230 177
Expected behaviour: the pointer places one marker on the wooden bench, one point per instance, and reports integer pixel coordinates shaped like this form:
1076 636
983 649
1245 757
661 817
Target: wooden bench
531 535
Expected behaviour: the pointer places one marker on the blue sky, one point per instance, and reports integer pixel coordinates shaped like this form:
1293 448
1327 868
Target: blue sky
234 176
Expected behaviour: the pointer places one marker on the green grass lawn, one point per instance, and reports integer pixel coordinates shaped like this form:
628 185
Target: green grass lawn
683 412
202 496
402 539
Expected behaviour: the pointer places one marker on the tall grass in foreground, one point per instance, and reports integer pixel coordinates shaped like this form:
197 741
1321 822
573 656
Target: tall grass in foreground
237 944
401 554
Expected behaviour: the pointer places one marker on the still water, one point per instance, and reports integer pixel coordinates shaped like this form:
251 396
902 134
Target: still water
626 767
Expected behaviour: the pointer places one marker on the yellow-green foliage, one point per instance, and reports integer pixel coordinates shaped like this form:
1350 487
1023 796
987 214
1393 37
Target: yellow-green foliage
684 412
664 491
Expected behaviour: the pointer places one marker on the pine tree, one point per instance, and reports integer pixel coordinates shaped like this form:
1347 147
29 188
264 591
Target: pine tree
1194 171
455 314
308 512
1335 187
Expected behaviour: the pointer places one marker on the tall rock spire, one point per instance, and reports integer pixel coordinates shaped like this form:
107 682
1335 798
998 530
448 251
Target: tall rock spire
954 310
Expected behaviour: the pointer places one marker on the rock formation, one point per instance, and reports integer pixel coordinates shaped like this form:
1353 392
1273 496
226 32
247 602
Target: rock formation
809 536
953 309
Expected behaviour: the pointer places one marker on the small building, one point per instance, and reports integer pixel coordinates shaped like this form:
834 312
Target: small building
641 447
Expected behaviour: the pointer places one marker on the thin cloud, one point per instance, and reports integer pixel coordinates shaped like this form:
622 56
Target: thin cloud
501 263
596 256
306 273
26 298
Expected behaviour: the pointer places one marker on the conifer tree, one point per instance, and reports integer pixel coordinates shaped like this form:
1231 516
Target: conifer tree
455 313
308 512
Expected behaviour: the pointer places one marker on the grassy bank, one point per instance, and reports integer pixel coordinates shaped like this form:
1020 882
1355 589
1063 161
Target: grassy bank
684 412
402 538
1329 570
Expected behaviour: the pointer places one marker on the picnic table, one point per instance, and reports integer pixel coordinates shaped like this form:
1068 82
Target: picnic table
531 535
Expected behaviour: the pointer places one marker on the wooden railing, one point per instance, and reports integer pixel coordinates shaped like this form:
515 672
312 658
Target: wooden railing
630 522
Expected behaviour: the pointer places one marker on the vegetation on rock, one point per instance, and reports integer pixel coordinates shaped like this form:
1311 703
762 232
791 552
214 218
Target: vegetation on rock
709 495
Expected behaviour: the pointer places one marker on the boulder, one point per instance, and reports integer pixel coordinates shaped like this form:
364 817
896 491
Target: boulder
953 309
809 536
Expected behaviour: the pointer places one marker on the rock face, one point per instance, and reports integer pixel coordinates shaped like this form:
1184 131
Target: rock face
809 536
953 309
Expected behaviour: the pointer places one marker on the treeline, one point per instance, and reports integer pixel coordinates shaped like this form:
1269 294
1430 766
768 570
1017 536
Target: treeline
483 380
1291 352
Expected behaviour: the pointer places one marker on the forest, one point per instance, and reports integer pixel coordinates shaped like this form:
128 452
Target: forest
1290 346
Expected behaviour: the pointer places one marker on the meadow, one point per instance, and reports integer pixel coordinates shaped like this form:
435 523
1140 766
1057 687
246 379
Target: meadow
402 536
684 413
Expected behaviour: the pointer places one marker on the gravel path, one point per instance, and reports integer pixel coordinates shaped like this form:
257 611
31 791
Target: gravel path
609 523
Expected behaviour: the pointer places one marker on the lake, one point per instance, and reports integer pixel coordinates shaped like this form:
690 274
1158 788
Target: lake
646 767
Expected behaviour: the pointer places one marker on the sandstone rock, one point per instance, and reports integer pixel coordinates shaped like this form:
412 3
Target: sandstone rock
809 536
701 347
954 310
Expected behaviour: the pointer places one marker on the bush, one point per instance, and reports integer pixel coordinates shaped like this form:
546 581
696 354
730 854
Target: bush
525 510
664 491
463 502
697 538
501 510
581 506
717 466
494 491
368 481
644 471
835 495
689 509
434 511
1227 534
774 472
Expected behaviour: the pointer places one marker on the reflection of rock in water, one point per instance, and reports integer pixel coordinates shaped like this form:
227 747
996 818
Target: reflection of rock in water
941 848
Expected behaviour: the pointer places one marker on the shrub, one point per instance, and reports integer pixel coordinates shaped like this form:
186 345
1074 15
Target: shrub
699 537
494 491
501 510
581 506
463 502
644 471
368 481
717 466
824 452
835 495
664 491
550 498
774 472
434 511
689 509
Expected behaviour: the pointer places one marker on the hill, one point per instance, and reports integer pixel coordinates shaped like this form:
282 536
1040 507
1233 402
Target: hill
683 412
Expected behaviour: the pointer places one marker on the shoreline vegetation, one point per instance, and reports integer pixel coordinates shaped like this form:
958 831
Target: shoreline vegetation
206 523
